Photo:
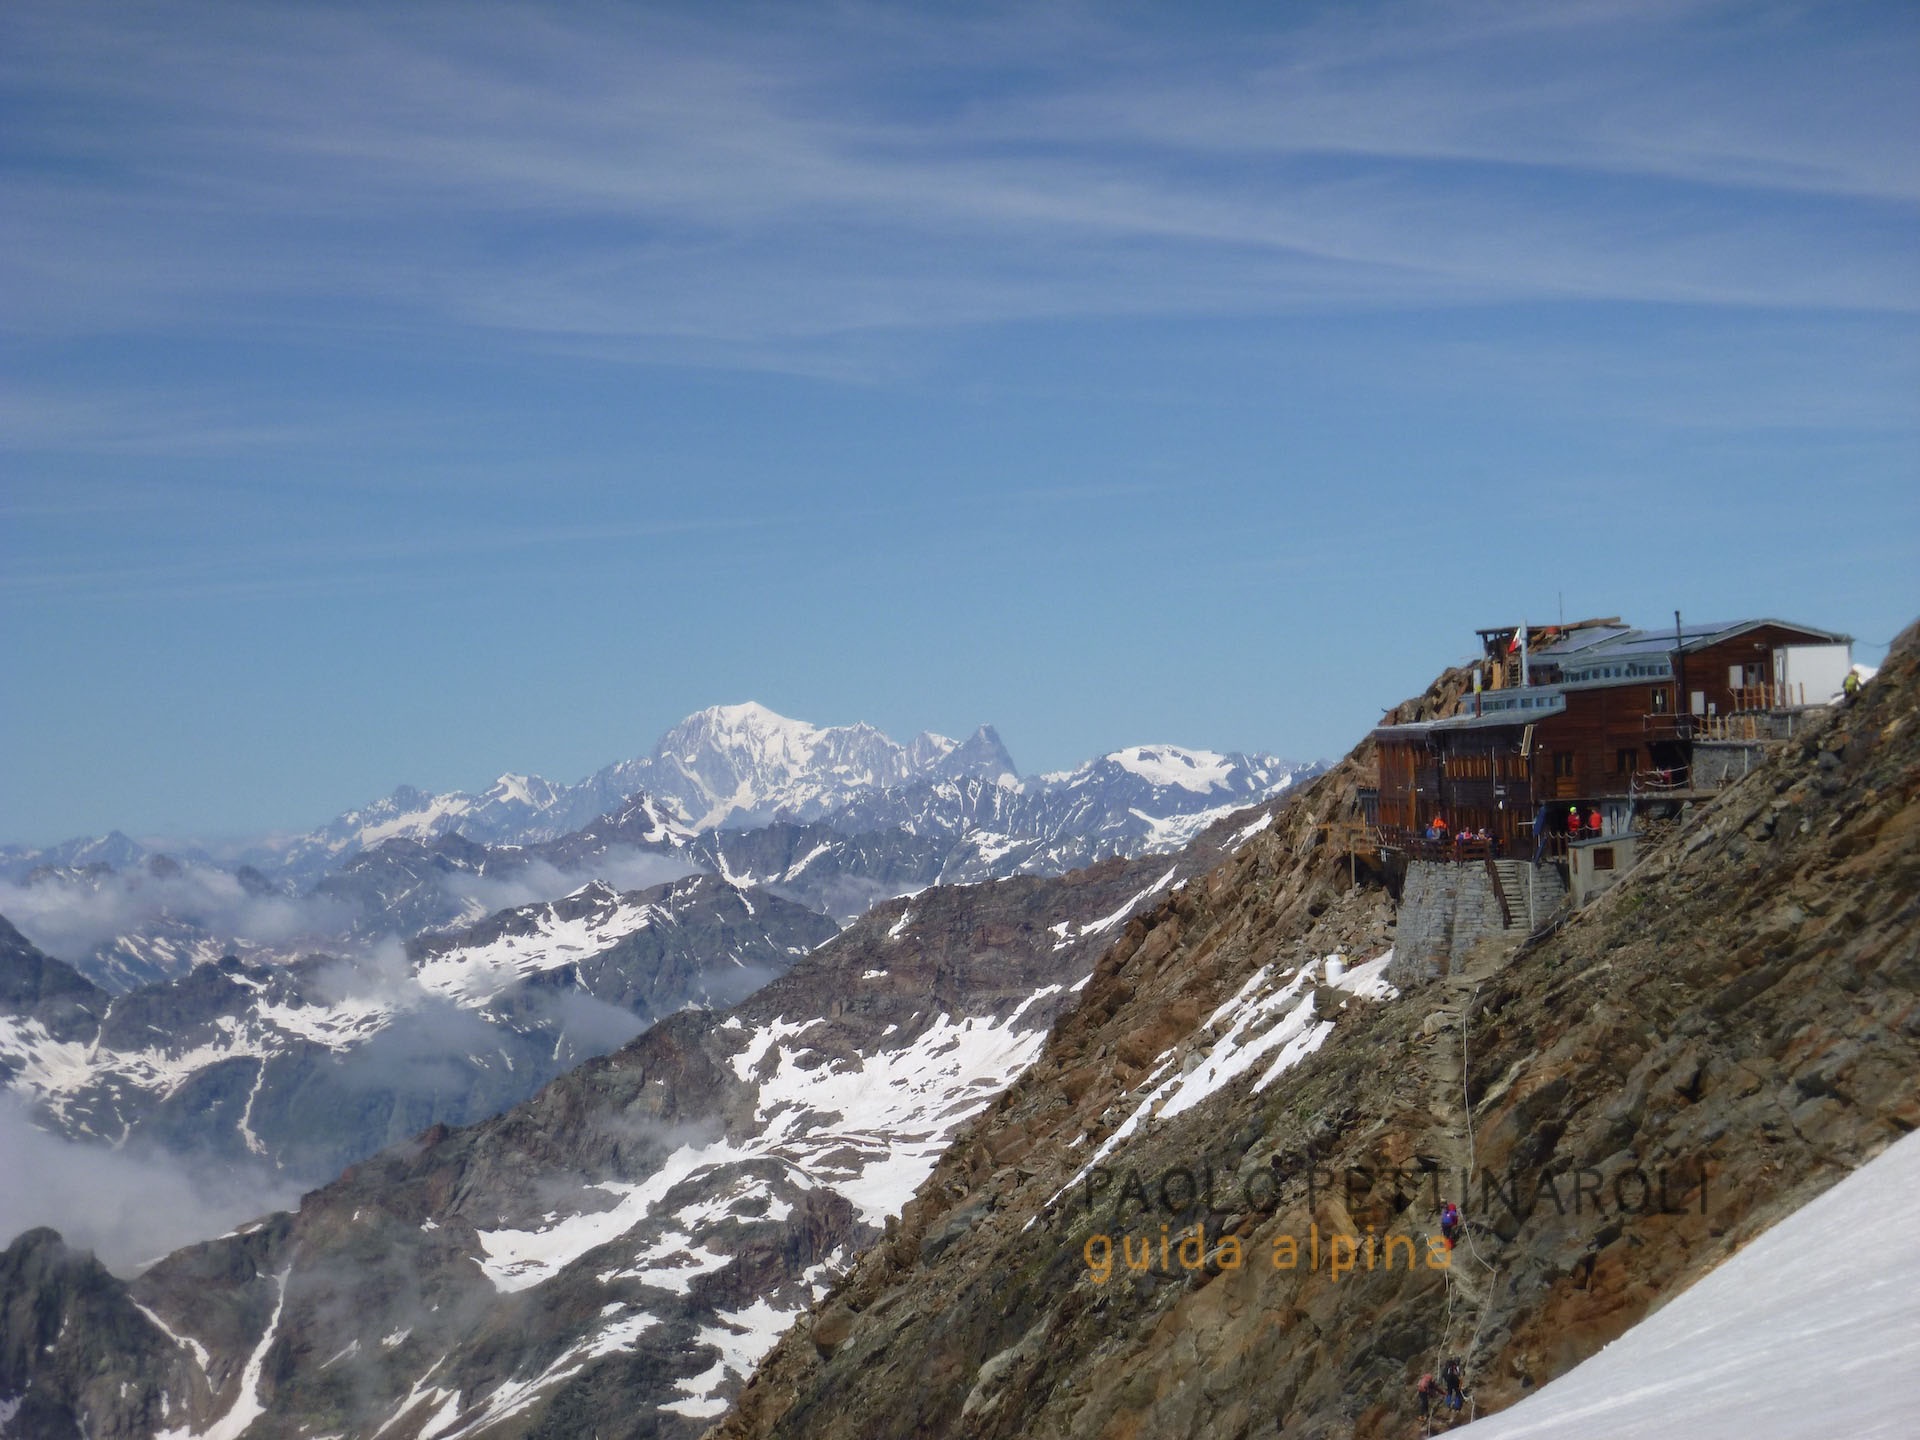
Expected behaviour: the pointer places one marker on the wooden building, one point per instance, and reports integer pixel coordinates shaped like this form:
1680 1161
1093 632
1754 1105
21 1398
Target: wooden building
1597 715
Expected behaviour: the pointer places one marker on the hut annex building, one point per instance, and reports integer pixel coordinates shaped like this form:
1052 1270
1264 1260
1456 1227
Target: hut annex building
1593 719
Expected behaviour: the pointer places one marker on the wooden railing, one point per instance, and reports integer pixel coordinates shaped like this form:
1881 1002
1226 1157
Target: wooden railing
1728 727
1777 695
1417 846
1500 894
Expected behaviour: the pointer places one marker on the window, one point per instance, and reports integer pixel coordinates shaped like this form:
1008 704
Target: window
1660 698
1625 762
1563 763
1603 857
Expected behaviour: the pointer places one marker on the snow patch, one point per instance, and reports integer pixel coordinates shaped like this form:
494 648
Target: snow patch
1811 1331
1170 765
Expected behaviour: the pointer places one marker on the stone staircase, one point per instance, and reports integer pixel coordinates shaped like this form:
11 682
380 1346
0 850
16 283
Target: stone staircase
1533 892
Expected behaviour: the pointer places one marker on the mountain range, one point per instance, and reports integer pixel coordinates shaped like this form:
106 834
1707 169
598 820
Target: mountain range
728 766
664 1211
833 818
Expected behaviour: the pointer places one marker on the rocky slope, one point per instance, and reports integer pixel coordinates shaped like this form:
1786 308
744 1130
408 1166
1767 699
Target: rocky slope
1631 1097
617 1252
304 1068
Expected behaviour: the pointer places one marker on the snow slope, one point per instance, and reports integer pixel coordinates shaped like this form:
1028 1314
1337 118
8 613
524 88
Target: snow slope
1812 1332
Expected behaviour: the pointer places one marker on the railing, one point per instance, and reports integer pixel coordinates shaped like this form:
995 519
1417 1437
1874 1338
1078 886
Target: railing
1500 894
1655 782
1729 727
1454 849
1779 695
1670 727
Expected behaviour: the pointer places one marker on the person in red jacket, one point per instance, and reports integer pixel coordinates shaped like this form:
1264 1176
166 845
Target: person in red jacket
1429 1391
1573 822
1593 822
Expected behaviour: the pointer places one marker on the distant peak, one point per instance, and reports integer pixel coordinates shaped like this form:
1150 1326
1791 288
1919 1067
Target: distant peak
1169 765
748 712
981 754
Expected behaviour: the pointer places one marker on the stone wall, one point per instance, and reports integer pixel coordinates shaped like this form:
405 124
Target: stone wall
1445 909
1720 763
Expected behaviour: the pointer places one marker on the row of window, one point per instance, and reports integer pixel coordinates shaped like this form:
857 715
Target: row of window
1637 670
1525 702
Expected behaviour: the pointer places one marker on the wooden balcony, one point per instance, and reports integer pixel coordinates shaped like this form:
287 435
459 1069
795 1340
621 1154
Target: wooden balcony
1772 696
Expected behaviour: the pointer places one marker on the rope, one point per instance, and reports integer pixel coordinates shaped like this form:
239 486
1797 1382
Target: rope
1466 1105
1493 1270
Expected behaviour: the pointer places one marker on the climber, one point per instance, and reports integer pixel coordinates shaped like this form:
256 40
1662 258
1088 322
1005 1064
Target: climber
1450 1376
1429 1391
1450 1222
1573 822
1593 821
1850 687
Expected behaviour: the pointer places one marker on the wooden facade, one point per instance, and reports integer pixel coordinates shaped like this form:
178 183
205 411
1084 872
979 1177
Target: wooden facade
1609 715
1709 684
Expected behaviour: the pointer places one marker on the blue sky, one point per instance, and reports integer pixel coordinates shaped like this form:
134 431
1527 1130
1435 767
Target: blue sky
414 393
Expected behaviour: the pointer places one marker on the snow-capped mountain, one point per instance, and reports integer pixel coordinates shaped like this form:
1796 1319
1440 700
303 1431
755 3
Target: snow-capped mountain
310 1066
729 765
735 767
663 1213
112 849
514 809
1142 800
855 818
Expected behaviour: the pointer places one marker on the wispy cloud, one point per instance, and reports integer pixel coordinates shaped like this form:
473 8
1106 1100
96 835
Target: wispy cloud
329 563
130 1207
671 181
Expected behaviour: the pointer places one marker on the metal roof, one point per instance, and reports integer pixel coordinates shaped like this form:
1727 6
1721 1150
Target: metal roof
1547 700
1603 644
1610 643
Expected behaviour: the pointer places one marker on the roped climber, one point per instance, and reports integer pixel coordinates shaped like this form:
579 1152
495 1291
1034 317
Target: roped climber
1429 1391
